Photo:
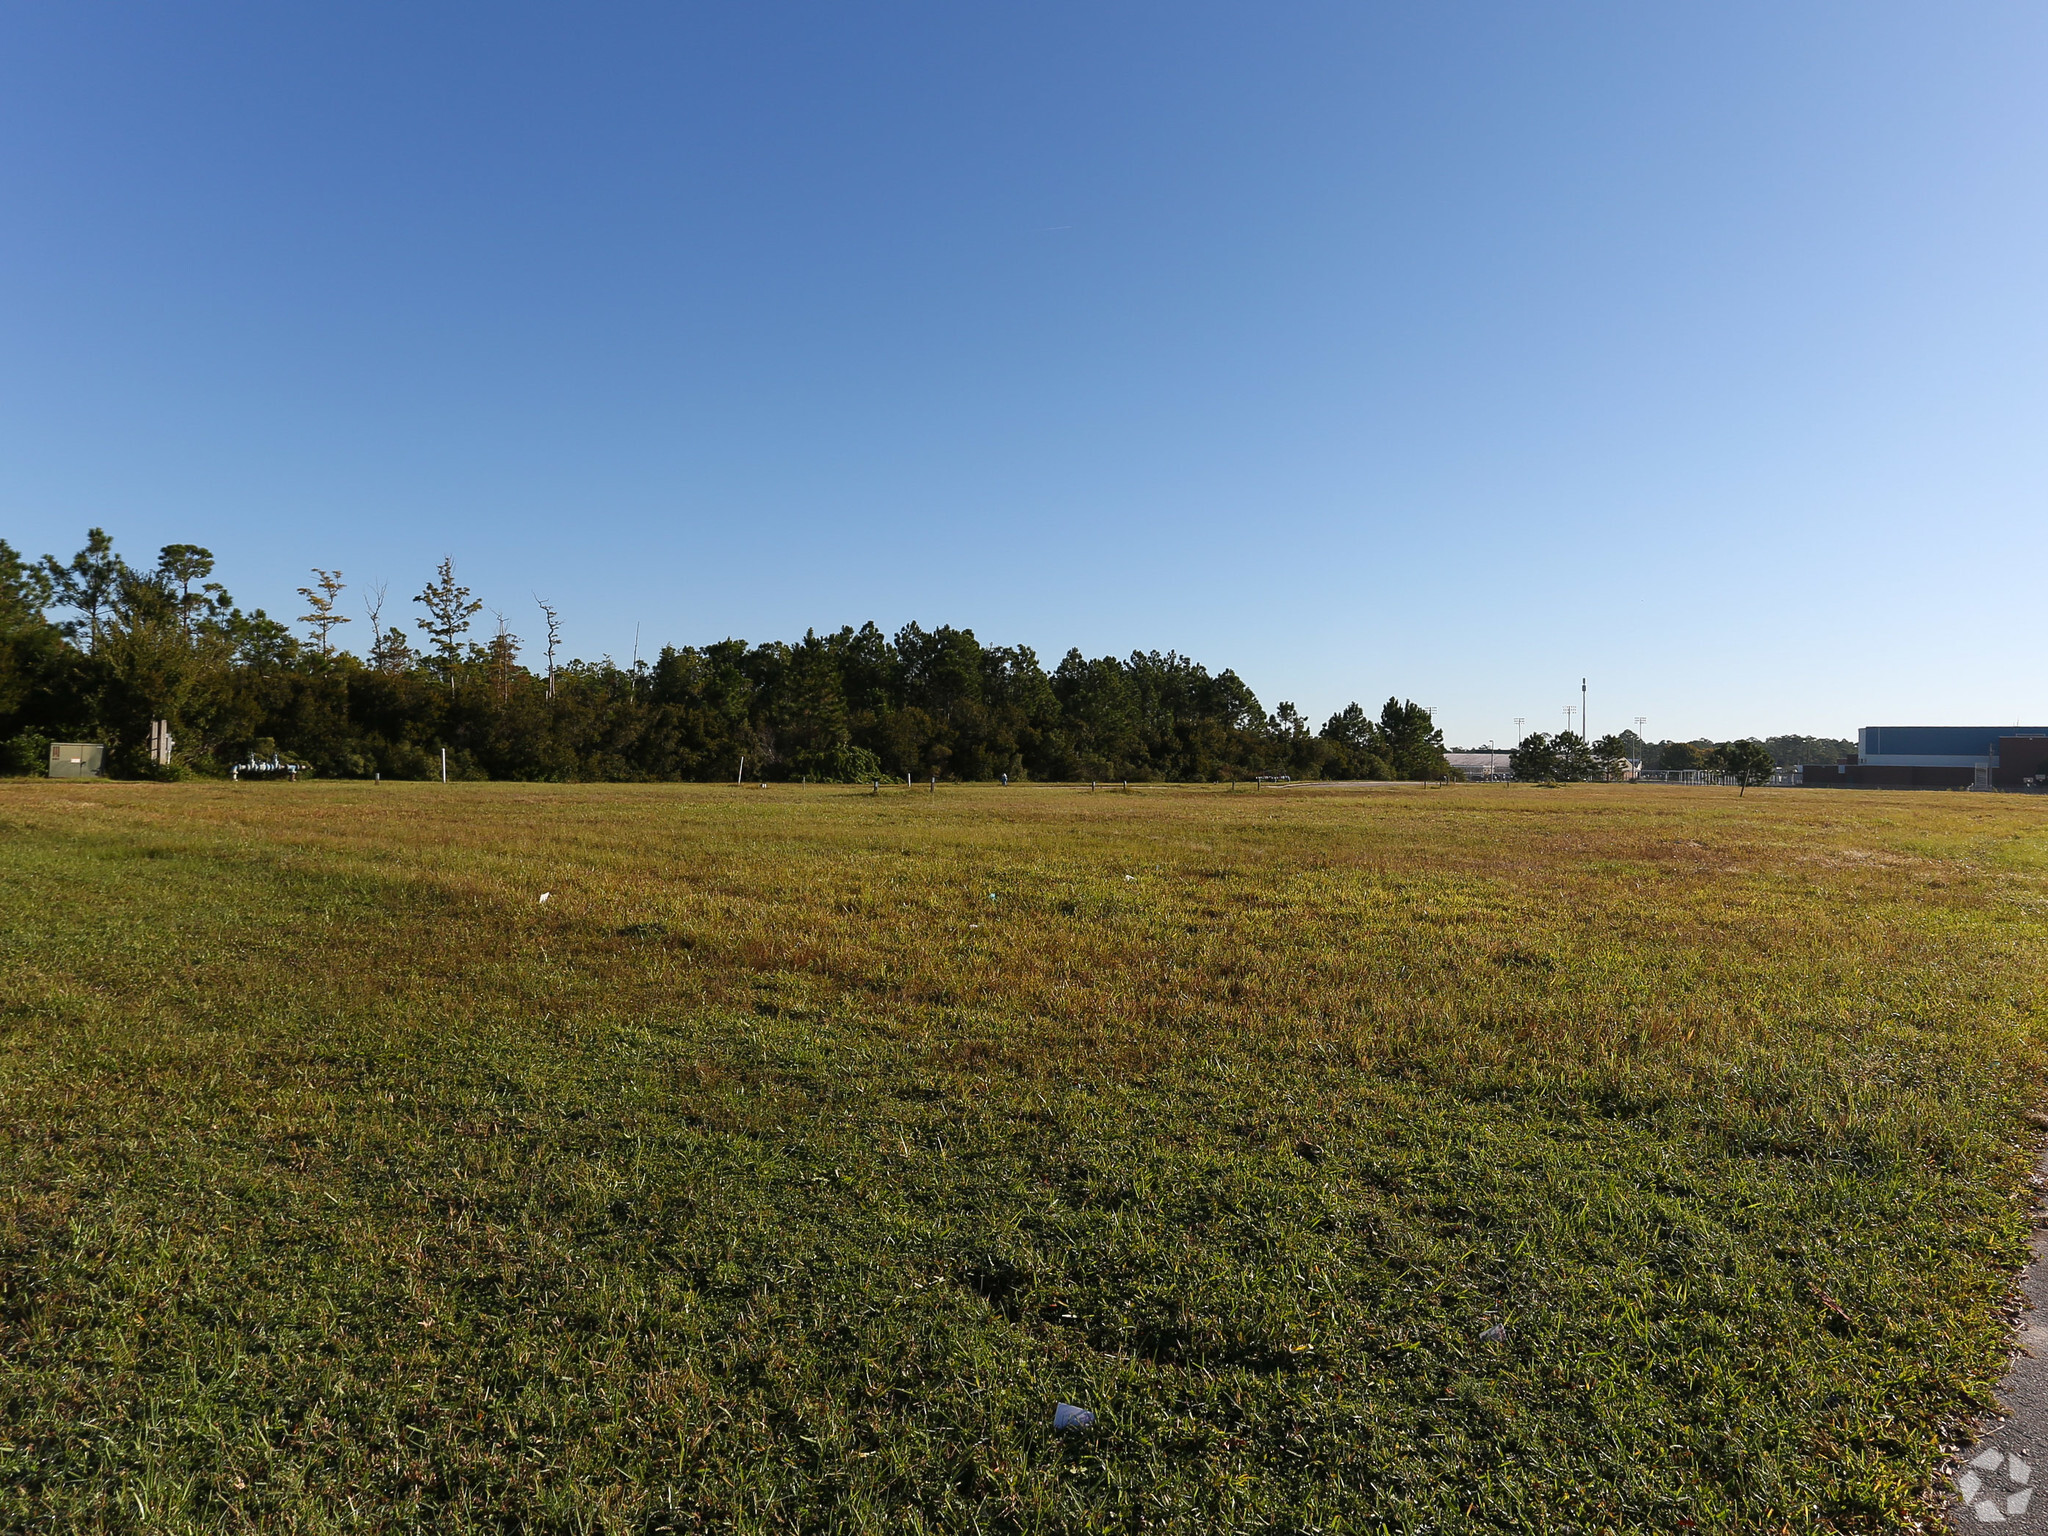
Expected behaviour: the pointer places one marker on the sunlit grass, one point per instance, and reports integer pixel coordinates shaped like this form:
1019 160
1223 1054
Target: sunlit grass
787 1166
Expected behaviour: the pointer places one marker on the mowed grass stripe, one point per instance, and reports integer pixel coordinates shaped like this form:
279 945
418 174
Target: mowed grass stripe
784 1168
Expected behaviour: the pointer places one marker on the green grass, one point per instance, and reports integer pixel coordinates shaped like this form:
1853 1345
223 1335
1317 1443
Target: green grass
785 1168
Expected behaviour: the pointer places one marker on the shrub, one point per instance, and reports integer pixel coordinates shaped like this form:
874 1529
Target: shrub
24 754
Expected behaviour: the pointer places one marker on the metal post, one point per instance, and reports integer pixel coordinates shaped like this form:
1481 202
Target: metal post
444 765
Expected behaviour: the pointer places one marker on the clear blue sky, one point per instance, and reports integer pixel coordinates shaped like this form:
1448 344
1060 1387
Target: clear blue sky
1456 351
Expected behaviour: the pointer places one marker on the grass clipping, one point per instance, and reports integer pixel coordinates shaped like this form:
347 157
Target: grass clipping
1384 1160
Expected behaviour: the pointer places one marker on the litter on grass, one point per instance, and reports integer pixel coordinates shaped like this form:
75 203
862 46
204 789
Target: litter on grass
1497 1334
1067 1416
544 895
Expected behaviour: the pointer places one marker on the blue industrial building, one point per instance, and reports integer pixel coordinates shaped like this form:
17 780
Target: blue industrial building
1939 757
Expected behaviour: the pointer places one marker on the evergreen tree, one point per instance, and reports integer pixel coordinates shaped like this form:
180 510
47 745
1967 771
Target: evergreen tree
1611 755
180 565
1750 762
89 585
320 598
449 610
1413 744
1533 760
32 658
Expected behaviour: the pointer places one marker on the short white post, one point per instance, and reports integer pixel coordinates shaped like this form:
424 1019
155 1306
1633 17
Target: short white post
444 765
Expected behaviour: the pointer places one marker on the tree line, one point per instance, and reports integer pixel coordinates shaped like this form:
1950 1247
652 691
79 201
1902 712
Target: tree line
1568 756
95 648
1707 755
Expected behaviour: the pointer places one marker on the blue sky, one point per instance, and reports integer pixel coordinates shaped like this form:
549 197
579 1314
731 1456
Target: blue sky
1454 351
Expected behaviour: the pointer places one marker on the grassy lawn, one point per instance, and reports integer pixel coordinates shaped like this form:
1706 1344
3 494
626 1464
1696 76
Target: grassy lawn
787 1166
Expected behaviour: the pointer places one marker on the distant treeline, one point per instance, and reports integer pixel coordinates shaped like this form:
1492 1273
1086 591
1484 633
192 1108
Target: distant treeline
129 645
1568 756
1786 751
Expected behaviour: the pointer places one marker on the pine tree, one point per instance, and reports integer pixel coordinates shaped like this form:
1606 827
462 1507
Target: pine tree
179 565
449 610
504 653
90 584
320 598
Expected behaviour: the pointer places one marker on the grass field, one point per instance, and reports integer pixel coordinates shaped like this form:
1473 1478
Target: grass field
785 1168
